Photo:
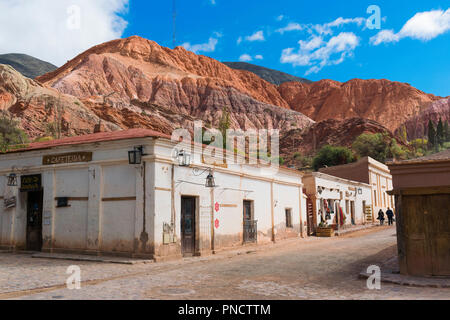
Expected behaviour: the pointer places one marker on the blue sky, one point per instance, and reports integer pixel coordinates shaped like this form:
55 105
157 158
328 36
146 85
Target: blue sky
213 28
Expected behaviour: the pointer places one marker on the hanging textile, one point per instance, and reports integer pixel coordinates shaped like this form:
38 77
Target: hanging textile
341 216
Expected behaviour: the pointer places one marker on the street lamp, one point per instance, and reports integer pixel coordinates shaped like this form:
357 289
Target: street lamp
183 158
210 183
12 180
135 156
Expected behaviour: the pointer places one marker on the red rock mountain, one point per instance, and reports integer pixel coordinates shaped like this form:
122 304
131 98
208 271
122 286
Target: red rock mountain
138 74
134 82
327 132
387 102
417 125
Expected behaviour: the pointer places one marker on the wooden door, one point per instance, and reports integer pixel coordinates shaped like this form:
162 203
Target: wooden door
426 230
34 221
438 234
188 226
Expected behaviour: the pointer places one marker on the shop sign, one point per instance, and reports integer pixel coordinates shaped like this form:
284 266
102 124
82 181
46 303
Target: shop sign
31 183
67 158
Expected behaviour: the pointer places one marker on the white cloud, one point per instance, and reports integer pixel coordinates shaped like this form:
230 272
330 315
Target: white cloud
257 36
209 46
280 17
384 36
213 2
49 30
317 53
423 26
323 29
239 40
314 43
245 58
327 28
290 27
427 25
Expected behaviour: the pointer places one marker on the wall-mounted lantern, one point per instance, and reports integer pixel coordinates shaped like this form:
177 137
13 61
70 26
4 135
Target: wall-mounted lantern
135 156
12 180
210 183
183 158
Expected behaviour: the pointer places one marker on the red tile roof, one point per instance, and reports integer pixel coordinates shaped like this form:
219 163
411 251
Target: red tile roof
92 138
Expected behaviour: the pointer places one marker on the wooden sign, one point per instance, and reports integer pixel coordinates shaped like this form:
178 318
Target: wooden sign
67 158
31 183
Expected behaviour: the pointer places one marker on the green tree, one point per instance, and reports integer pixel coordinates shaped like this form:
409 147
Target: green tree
396 151
440 134
332 156
372 145
446 131
403 134
11 136
431 134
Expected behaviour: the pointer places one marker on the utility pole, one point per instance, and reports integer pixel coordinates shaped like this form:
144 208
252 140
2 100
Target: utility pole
174 39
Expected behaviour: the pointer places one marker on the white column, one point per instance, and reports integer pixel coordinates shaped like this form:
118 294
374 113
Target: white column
139 210
48 210
94 216
19 220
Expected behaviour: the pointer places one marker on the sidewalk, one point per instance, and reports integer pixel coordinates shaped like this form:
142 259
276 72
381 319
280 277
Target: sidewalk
351 229
390 274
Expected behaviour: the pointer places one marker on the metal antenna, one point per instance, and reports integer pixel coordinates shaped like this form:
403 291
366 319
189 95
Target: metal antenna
174 24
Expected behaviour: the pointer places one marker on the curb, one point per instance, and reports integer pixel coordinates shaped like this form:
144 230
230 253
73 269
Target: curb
90 259
409 280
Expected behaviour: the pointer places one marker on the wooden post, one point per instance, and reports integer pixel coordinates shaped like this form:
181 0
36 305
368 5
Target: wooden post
212 220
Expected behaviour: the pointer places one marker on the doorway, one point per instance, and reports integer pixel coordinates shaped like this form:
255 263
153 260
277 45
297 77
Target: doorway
250 231
34 220
188 225
352 210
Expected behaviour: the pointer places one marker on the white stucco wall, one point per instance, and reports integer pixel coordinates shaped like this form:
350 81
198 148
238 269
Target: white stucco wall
112 210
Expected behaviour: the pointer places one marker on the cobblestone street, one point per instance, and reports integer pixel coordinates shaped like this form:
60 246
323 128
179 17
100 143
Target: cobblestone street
313 268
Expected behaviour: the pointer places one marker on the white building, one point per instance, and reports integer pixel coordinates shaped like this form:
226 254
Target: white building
373 172
327 195
82 195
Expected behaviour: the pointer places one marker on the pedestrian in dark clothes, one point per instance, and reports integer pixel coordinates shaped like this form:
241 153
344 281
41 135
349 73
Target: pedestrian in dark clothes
390 215
381 217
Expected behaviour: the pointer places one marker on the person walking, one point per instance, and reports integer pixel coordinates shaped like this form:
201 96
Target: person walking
381 217
390 215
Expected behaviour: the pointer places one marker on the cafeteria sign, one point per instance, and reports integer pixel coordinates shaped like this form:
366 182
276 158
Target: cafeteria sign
67 158
30 183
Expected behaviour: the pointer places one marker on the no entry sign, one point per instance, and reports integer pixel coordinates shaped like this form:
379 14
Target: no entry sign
217 207
217 223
